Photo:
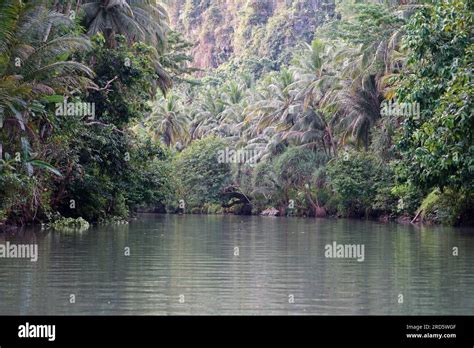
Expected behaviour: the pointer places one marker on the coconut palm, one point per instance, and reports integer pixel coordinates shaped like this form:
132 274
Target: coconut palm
32 64
315 84
273 105
232 117
367 60
368 48
359 110
35 69
138 20
314 72
167 121
208 117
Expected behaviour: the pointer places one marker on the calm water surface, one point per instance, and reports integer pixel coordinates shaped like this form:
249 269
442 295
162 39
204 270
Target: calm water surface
192 258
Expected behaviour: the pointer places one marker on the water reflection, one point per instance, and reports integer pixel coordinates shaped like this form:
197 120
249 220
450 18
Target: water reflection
192 258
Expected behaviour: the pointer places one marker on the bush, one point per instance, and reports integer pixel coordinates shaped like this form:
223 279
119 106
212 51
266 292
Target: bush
63 224
361 182
267 189
20 197
297 165
201 177
447 207
298 175
210 208
149 182
436 144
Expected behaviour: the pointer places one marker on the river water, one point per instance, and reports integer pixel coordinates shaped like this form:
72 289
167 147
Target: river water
232 265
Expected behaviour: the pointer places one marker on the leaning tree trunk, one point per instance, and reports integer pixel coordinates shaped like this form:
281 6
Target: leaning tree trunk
319 211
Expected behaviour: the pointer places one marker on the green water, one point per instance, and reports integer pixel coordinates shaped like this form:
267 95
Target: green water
191 265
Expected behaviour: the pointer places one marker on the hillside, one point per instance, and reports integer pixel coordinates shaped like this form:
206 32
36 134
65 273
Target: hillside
268 29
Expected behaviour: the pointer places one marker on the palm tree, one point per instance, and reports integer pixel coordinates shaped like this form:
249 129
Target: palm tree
315 82
138 20
368 59
273 103
168 121
314 74
359 110
232 117
35 68
208 117
32 68
368 49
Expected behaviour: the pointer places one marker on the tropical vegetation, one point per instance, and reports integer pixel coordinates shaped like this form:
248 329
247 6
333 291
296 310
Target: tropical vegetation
364 113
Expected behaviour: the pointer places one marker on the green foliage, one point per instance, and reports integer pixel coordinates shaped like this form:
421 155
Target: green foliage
329 99
448 207
296 166
202 177
409 196
144 181
128 74
149 178
295 103
168 121
143 20
63 224
82 167
212 208
16 192
437 146
297 175
176 59
357 179
267 189
37 47
111 170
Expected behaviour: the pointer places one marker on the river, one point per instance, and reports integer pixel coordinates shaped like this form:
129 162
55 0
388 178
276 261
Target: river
233 265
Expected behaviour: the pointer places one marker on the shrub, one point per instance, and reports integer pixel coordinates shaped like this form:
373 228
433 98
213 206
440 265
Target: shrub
201 177
298 174
149 181
297 165
359 180
447 207
63 224
267 189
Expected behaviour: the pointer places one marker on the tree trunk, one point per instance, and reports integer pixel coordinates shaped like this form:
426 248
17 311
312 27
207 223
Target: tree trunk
331 139
318 210
110 38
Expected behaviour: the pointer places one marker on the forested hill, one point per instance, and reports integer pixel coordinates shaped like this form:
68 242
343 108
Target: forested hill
223 30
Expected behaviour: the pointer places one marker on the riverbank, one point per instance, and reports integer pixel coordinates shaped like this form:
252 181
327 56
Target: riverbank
79 224
403 220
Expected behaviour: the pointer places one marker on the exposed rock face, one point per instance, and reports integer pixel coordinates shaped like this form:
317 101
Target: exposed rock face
221 29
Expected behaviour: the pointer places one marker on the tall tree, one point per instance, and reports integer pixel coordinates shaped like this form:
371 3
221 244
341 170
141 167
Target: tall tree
168 121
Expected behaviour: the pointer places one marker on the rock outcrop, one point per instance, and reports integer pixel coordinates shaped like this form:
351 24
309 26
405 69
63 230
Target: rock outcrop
223 29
